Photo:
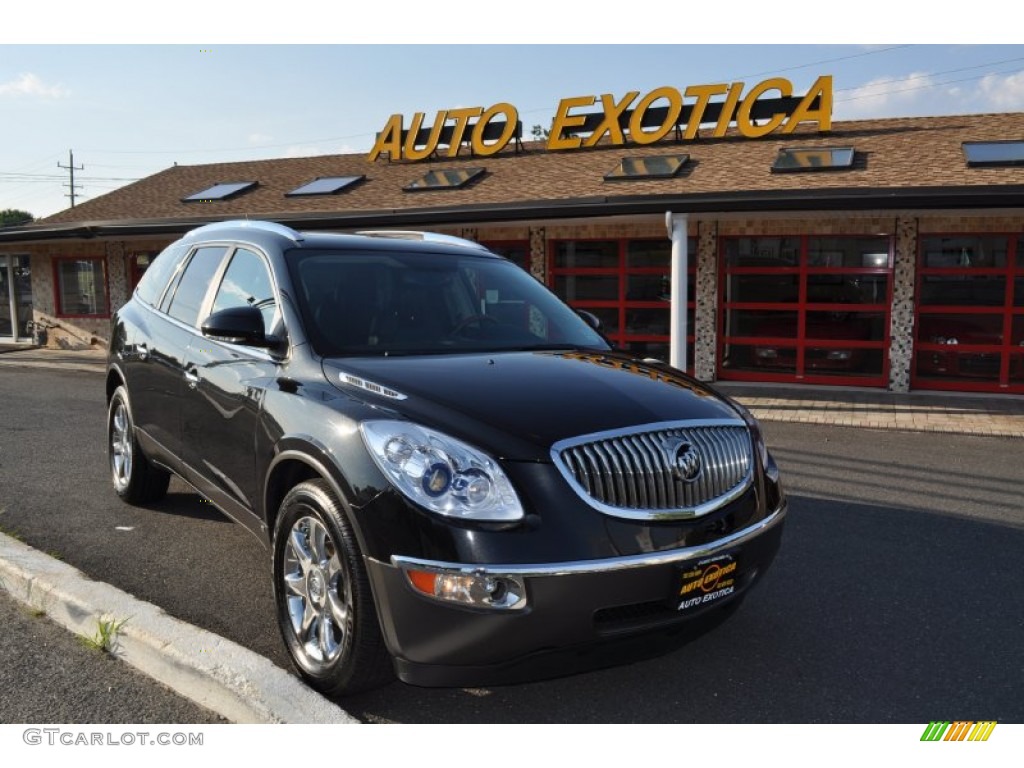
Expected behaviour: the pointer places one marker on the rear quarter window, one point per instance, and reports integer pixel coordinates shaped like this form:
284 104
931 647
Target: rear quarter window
154 281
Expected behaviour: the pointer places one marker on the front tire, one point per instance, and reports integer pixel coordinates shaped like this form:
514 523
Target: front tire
135 479
325 608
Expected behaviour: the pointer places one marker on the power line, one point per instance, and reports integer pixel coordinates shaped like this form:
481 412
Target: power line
18 177
824 61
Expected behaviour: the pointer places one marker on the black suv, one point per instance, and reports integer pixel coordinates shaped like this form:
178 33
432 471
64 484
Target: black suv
459 481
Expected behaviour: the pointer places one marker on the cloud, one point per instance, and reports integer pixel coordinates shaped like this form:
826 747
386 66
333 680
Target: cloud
1003 93
885 96
28 84
922 94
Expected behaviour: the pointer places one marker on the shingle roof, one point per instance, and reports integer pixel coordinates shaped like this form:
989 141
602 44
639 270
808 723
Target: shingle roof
892 155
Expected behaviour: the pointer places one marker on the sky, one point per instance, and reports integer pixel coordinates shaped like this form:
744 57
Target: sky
131 110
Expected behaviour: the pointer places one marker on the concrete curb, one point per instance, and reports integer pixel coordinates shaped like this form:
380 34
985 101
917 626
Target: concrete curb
216 673
874 420
90 367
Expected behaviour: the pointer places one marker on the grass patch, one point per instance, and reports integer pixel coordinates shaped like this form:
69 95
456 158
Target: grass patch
105 639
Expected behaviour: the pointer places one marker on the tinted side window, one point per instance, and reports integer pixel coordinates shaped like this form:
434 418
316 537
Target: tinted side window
247 283
194 283
153 282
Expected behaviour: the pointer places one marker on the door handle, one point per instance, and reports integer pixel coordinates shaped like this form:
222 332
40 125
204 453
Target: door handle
192 377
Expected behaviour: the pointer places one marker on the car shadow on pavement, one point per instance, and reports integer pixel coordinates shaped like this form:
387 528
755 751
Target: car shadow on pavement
871 614
187 504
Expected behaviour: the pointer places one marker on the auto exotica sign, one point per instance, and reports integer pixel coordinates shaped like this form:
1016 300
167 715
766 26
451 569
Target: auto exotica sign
765 108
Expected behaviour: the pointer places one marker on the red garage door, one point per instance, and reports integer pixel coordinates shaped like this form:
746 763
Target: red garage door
805 309
970 313
626 284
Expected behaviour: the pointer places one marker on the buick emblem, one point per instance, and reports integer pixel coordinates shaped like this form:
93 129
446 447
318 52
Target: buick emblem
684 459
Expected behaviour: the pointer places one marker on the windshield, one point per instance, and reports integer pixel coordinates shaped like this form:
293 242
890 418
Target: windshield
404 304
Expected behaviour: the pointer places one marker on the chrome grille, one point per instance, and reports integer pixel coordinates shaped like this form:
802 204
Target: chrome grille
636 473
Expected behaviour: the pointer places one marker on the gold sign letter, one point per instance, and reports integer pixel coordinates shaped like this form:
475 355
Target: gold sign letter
563 120
745 125
461 118
675 106
511 119
611 126
822 115
411 153
389 140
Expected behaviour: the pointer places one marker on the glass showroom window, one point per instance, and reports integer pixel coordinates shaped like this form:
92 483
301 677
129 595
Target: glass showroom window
81 287
805 308
970 313
627 284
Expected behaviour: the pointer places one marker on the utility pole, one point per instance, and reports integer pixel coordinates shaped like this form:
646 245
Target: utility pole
71 168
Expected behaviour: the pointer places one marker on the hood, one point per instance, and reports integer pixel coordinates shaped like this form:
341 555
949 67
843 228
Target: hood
517 404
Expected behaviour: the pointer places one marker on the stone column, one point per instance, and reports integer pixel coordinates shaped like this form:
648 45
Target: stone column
539 254
901 329
705 321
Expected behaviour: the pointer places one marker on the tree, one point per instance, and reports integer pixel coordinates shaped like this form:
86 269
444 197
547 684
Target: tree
12 217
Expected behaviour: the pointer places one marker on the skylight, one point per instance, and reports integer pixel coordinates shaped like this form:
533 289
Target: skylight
450 178
325 185
221 191
660 167
813 159
982 153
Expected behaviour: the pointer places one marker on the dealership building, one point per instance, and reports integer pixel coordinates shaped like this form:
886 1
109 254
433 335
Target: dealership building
736 231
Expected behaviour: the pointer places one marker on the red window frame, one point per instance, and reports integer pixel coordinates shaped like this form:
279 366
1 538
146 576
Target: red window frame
1011 354
134 273
800 343
622 304
58 304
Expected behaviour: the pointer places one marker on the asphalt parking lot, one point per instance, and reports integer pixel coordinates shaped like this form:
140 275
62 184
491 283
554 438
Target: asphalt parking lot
896 597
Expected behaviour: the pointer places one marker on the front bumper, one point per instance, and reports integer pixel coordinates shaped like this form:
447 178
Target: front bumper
577 615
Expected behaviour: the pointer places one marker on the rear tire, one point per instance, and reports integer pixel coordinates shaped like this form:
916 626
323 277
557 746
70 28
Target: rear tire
136 480
325 608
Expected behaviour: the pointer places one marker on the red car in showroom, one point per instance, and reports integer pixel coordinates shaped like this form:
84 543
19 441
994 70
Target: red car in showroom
961 339
830 355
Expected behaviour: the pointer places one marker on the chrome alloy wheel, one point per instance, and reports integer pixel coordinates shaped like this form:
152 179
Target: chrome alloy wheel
121 446
317 591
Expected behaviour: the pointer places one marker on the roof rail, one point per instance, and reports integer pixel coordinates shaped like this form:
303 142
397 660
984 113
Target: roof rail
263 226
429 237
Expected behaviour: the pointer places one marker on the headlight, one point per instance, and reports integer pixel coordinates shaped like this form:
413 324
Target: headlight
441 473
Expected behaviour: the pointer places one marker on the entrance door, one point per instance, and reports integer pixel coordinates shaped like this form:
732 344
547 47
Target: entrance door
15 297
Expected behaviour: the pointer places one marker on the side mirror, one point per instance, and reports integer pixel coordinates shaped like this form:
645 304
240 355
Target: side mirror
237 325
590 319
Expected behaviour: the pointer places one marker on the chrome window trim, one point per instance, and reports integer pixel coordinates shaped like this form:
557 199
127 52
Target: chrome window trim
608 565
252 352
231 248
656 514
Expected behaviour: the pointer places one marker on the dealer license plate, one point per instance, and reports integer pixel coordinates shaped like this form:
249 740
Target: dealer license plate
706 582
